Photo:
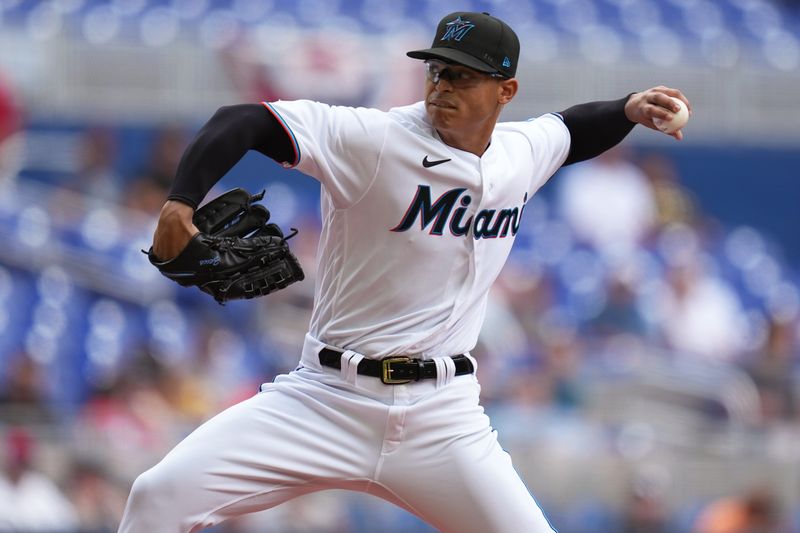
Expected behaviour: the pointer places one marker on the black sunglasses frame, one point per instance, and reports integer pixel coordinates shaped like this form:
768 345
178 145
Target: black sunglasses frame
445 72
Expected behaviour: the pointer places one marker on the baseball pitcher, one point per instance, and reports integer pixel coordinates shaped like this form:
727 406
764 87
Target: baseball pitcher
420 207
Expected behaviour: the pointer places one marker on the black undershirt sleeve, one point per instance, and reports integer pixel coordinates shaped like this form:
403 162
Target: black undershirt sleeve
222 142
594 127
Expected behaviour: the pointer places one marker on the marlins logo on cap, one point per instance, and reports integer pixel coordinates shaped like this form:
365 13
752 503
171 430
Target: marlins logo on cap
457 29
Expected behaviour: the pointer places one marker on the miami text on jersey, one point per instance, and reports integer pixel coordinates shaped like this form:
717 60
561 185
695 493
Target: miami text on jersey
486 224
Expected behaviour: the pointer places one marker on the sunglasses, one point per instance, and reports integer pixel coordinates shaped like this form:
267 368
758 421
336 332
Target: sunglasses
458 77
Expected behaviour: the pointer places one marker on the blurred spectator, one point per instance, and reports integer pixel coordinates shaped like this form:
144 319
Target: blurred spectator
10 132
320 512
674 204
168 146
22 397
10 115
530 294
609 203
502 347
245 70
563 361
699 313
214 378
548 379
644 513
148 190
98 501
96 175
130 422
645 509
29 500
774 374
757 511
621 314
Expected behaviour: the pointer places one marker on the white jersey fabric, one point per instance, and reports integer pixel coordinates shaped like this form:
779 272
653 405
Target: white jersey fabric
414 231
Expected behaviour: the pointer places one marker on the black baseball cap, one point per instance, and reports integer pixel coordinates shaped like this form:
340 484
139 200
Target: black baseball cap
476 40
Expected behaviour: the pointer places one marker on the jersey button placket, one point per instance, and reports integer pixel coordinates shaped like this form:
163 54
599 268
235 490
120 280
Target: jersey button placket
482 202
467 288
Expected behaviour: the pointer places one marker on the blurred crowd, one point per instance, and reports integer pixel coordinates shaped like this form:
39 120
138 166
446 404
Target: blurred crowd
617 271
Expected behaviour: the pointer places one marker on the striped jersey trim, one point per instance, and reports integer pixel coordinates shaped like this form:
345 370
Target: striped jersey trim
289 132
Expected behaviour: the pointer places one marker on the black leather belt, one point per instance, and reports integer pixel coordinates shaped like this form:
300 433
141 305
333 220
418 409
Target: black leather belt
396 370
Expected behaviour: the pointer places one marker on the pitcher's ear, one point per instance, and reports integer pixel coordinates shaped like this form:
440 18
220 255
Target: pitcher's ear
507 90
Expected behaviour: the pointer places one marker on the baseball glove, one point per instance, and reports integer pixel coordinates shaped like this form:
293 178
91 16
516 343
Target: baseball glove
237 254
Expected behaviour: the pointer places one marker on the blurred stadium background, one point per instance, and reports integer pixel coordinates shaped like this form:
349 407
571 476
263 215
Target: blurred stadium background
641 355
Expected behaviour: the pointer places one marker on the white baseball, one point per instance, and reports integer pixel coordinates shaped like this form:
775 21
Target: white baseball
678 120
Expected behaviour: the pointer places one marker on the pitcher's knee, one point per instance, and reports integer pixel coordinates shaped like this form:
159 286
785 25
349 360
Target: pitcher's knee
154 492
160 501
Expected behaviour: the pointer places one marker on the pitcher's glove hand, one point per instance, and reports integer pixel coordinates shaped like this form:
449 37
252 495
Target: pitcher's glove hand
237 254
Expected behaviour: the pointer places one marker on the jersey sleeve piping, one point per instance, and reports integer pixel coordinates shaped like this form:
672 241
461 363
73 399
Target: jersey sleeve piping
569 137
566 130
289 132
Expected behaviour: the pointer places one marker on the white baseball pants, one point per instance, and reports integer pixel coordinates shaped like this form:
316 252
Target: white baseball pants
426 447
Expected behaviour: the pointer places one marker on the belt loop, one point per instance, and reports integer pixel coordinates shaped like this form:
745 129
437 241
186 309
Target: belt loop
349 370
445 370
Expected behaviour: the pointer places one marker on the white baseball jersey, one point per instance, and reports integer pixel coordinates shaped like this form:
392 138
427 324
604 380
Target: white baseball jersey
415 231
414 234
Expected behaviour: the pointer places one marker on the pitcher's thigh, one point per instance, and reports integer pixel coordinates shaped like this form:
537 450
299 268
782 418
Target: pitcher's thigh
252 456
466 489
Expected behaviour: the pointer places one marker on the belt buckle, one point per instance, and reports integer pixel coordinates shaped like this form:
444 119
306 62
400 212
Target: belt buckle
386 367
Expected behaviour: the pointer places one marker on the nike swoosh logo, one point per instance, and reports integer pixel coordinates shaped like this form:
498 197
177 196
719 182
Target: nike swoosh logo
428 164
